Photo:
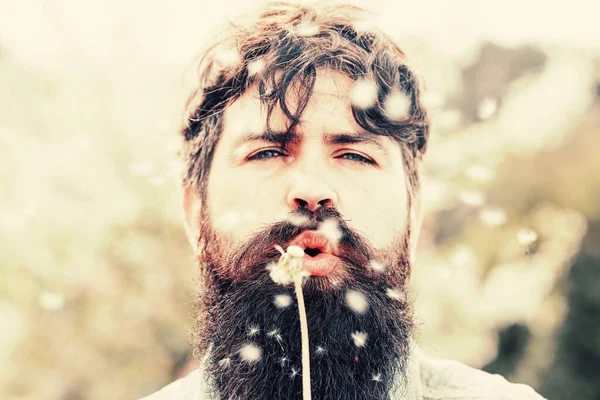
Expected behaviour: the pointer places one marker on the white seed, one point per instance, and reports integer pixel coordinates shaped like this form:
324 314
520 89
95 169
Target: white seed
526 236
307 29
472 198
376 378
377 266
51 301
298 220
225 362
251 353
320 350
282 300
396 294
331 230
493 216
255 67
396 106
253 331
357 301
360 339
364 93
228 57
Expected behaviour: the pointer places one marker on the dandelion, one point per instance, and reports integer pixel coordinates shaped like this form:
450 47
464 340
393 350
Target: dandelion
356 301
282 300
359 338
251 353
287 270
364 94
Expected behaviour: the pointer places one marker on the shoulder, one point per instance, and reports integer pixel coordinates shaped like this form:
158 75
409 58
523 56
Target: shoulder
190 387
449 379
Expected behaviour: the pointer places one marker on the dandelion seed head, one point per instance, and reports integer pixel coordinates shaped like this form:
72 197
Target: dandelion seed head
251 353
364 93
356 301
282 300
376 378
256 66
283 360
331 230
396 294
320 350
492 216
359 338
396 106
526 236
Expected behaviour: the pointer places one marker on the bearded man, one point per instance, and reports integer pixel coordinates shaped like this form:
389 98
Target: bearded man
307 129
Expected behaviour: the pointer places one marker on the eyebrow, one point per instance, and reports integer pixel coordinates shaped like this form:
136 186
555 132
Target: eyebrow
284 138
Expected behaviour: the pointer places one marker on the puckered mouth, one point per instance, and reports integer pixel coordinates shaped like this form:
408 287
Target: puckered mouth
313 243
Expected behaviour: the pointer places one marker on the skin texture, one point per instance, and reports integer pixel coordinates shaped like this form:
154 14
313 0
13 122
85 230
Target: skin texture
249 205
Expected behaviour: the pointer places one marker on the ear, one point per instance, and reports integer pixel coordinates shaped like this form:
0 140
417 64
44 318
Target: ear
191 205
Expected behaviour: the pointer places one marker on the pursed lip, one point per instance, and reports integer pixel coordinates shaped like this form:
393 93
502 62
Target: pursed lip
314 240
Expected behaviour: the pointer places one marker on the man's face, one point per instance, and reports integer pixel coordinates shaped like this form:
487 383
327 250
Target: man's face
257 193
252 183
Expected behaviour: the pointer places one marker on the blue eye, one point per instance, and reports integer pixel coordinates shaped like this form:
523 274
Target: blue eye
359 159
261 154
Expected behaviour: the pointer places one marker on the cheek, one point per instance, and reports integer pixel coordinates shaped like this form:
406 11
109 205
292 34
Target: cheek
237 210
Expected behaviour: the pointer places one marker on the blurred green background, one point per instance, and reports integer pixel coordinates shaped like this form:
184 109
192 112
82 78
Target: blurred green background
98 277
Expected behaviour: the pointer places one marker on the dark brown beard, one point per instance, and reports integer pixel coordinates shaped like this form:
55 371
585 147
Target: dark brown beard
238 295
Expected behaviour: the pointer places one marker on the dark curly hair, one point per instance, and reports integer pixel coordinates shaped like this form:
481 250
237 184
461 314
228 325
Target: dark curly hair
292 41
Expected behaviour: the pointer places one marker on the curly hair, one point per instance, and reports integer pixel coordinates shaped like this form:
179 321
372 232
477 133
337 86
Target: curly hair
281 47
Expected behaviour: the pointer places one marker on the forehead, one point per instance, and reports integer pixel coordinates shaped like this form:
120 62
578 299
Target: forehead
329 108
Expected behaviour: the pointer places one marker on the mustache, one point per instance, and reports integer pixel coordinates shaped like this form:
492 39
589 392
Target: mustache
255 253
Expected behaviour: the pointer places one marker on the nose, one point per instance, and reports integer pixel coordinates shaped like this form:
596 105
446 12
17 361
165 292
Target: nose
311 193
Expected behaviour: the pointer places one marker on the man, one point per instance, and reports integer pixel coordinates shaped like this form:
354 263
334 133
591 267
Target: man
307 129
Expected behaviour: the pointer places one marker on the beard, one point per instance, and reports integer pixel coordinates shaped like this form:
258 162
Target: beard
249 329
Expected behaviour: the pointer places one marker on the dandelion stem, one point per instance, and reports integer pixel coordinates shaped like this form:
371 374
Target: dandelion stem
306 391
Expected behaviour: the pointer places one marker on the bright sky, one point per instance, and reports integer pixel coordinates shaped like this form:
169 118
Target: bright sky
48 32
